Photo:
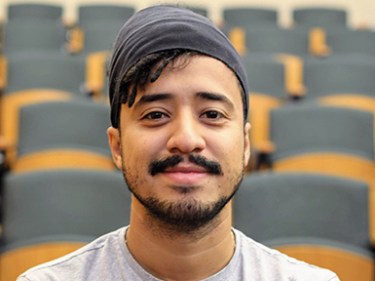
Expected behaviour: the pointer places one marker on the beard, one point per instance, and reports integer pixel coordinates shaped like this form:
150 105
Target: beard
187 215
184 216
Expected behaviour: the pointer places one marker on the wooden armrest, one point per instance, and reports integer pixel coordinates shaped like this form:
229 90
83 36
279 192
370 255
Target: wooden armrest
293 74
318 43
3 72
76 40
237 36
4 148
263 154
266 147
95 72
4 143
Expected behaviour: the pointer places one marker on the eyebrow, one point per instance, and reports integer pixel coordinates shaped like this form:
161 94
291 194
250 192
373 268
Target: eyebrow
153 97
216 97
202 95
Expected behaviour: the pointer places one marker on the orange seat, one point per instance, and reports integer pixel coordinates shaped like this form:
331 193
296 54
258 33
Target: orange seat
348 263
18 259
10 107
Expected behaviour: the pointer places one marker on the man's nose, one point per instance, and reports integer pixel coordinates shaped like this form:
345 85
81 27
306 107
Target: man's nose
186 135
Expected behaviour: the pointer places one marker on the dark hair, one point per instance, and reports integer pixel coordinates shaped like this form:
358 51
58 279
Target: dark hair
148 70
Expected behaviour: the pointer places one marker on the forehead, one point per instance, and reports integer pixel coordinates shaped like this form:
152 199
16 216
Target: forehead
195 74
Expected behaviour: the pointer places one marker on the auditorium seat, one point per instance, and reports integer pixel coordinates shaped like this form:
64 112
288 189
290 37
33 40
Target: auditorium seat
99 36
277 40
268 86
278 205
342 81
246 15
339 75
351 42
16 258
347 261
320 219
33 35
32 11
45 70
90 13
10 115
327 140
309 128
236 21
63 202
60 135
319 16
38 77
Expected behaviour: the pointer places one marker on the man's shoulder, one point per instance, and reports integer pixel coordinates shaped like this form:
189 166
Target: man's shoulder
77 263
278 266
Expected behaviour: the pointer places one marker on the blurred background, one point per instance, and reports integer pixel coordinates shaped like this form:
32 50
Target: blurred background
309 189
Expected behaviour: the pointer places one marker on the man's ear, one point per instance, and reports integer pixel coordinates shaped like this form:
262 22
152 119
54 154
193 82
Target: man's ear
247 147
115 146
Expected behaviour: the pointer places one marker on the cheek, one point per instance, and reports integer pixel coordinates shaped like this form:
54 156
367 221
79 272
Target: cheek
134 168
230 148
139 150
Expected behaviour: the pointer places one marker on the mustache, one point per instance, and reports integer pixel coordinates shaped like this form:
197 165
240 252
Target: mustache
159 166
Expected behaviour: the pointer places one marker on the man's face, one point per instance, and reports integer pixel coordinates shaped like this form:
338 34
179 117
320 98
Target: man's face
183 143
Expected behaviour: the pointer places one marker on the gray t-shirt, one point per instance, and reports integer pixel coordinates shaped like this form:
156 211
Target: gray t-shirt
107 258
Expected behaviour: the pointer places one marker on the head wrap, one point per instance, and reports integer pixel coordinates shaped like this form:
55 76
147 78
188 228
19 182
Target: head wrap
162 28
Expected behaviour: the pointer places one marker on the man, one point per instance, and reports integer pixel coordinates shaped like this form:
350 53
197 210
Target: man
180 135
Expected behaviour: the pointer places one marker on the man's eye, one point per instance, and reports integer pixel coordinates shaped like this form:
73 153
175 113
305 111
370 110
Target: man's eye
212 114
155 115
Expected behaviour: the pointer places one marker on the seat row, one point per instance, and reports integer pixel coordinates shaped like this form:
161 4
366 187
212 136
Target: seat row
307 138
278 81
293 129
49 213
32 78
86 74
98 36
34 26
318 218
321 219
317 31
274 81
236 15
63 132
302 41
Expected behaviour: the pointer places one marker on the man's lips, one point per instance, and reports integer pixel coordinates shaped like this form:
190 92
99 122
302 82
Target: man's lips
185 174
186 169
177 161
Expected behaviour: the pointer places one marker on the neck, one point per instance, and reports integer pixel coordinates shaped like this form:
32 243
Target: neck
180 256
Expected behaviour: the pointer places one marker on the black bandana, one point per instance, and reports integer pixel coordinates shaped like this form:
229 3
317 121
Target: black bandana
162 28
